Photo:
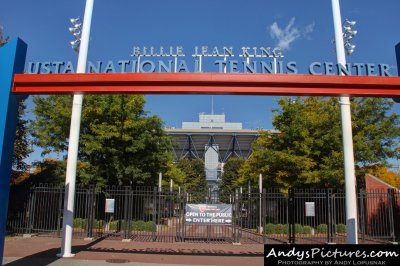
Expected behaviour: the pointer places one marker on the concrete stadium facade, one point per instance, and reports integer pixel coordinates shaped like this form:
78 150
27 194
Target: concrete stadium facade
213 140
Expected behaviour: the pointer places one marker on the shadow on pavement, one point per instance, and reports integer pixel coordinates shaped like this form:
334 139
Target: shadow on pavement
169 251
48 256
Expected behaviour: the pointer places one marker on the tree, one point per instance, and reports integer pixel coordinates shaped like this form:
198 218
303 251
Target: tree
375 129
119 143
175 174
195 181
230 175
22 145
308 150
48 171
3 40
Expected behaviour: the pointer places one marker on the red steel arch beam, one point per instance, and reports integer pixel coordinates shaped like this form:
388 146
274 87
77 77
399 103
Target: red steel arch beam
207 83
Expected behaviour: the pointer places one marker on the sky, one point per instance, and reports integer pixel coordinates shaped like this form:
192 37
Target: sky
303 29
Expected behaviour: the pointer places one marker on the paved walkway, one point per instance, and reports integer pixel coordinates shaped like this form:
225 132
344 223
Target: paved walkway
43 251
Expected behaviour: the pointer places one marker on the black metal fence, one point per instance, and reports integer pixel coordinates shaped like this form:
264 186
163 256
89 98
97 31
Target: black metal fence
146 214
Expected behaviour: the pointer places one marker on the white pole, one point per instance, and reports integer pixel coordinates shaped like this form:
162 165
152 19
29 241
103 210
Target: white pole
176 63
138 64
159 181
200 64
350 180
225 64
73 146
261 188
171 183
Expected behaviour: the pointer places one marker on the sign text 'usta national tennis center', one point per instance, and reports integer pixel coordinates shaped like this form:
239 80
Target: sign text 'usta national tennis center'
223 59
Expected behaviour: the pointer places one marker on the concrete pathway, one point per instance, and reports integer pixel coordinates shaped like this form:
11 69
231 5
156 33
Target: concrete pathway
43 251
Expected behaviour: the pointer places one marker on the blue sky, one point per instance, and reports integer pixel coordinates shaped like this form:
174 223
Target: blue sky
304 28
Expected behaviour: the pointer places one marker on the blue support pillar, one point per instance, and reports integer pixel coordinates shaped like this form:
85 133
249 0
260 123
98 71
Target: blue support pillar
12 60
397 49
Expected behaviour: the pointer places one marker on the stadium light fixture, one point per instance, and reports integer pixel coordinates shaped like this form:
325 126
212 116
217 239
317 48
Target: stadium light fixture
76 31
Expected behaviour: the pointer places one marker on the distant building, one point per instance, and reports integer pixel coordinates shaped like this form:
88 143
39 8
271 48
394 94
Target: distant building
213 140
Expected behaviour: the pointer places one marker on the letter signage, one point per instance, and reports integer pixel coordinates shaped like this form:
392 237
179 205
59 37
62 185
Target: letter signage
217 214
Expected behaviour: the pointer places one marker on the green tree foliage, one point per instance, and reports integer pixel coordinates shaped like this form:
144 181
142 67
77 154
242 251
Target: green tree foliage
308 150
22 147
230 175
175 174
376 130
119 143
48 171
195 181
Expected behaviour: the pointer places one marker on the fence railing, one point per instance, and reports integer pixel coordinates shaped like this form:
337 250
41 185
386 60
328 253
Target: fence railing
146 214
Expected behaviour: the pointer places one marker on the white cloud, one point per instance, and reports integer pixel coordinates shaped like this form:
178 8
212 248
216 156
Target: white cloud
285 37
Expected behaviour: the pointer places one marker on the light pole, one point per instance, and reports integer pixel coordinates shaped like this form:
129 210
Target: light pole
347 135
81 45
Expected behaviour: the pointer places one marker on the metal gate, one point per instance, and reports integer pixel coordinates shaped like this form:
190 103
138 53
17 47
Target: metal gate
147 214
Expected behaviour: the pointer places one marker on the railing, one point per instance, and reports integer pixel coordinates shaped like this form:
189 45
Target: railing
146 214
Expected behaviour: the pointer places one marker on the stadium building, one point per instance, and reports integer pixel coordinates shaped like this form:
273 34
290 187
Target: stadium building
213 140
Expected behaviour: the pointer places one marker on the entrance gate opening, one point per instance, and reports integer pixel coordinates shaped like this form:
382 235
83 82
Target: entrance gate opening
161 83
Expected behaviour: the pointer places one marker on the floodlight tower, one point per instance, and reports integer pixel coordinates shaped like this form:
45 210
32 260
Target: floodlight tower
347 134
81 45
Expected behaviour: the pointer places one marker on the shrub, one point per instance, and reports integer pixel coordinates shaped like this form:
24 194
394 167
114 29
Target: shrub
281 229
298 229
322 228
114 225
307 229
269 228
79 223
138 225
98 223
148 226
341 228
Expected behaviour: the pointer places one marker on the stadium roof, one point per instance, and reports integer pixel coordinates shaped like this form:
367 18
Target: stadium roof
193 143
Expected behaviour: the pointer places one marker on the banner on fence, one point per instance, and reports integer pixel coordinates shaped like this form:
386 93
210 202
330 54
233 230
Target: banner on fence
208 214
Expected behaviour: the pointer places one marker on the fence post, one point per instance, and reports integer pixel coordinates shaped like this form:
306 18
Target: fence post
32 203
236 235
178 214
362 213
93 209
154 213
130 212
331 224
182 213
60 209
126 202
90 209
249 205
264 212
390 207
291 222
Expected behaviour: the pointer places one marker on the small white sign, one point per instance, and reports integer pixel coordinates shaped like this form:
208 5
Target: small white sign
310 208
110 203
